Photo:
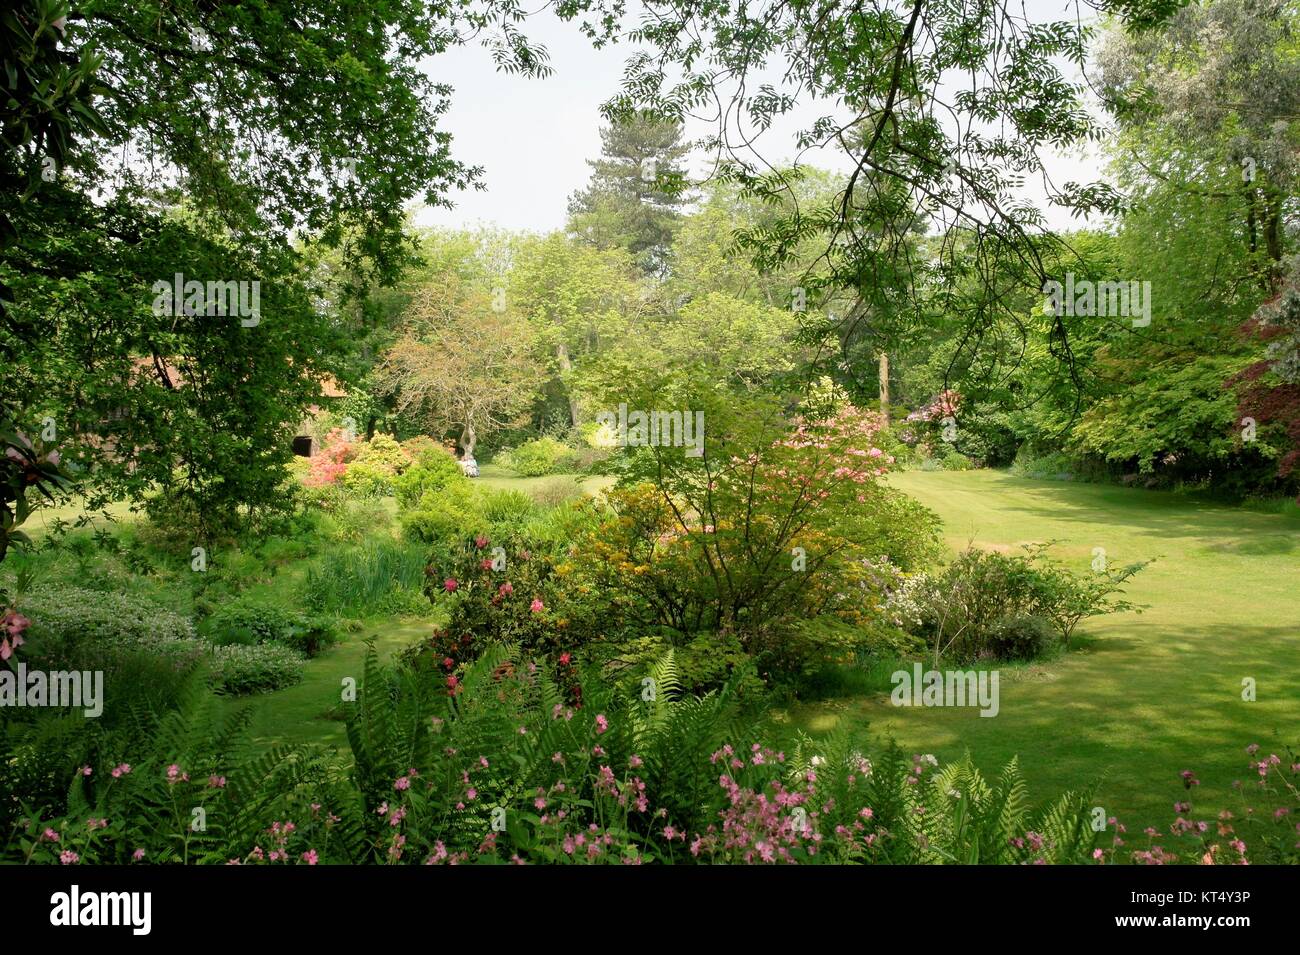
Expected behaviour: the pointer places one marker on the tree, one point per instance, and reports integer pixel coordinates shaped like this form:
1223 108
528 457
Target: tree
943 110
462 363
579 300
1220 85
637 190
236 136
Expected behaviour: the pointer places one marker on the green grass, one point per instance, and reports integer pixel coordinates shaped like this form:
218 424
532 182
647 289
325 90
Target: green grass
495 476
309 712
1142 697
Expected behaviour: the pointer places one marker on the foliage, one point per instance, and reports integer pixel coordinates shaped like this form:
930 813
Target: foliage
541 456
242 668
246 623
991 605
382 576
773 523
376 466
431 470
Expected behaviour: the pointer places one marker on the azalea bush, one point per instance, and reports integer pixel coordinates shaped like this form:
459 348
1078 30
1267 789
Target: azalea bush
777 522
331 462
524 587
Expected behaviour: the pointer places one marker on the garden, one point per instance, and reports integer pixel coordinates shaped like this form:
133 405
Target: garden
744 514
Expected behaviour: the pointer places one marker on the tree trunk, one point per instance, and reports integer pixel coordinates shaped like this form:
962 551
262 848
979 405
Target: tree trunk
566 366
884 386
467 440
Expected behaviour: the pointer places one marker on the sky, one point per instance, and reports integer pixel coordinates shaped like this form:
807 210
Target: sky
533 136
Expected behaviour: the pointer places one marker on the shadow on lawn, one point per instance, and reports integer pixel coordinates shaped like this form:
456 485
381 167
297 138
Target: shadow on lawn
1156 513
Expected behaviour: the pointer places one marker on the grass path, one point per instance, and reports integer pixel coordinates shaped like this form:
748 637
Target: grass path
1143 697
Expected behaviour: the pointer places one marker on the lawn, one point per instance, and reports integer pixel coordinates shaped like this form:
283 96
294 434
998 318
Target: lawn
1142 697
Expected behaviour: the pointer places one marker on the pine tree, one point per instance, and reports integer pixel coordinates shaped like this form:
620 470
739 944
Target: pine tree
637 190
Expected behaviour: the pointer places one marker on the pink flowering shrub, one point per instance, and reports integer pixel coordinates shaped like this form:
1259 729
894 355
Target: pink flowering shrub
777 524
331 463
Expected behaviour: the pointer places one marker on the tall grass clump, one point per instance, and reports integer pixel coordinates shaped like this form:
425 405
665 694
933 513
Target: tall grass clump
375 577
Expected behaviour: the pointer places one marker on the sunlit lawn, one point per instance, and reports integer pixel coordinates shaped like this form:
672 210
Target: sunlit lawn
1142 697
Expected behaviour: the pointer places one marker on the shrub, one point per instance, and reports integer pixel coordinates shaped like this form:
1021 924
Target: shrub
331 461
237 669
556 491
419 445
247 623
74 615
779 524
376 466
435 469
1022 636
544 455
524 590
954 460
445 518
988 605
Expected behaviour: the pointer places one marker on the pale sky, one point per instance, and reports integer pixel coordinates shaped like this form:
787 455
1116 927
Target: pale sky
533 137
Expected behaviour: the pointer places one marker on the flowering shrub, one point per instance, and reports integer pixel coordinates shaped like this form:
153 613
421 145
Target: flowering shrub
240 668
331 462
987 605
777 525
540 456
534 593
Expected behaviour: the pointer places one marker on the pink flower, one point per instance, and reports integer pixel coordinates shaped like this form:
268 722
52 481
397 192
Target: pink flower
119 771
480 542
310 857
505 589
68 857
137 855
537 606
602 724
450 585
